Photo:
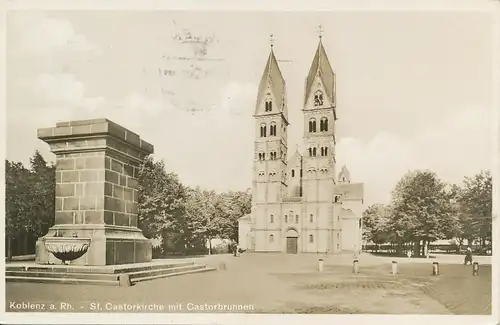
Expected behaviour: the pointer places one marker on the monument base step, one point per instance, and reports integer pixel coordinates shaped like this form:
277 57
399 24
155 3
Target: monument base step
153 277
99 275
60 280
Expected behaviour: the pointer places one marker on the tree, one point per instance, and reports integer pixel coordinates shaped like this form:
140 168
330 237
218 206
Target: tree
17 202
203 215
475 202
42 193
453 229
234 205
29 200
375 224
421 208
161 201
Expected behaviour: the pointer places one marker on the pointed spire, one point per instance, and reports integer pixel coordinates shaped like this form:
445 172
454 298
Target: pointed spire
272 78
320 65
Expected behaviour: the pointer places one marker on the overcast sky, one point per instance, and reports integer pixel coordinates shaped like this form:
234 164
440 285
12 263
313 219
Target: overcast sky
414 89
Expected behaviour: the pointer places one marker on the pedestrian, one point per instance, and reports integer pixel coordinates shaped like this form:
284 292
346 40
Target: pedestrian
408 253
468 256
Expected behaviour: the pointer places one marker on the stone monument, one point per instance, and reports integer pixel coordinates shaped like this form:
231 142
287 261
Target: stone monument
97 165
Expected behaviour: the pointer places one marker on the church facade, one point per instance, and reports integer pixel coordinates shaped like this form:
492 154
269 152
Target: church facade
300 204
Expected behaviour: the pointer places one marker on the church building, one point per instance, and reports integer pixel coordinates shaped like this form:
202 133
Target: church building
300 204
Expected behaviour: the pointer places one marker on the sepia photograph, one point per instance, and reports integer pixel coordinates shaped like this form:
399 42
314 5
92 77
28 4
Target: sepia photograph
250 162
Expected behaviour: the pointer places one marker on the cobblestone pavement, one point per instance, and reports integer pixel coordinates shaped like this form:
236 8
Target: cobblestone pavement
289 284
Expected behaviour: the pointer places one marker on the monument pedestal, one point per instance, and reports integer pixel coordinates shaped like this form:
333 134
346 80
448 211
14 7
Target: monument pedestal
97 165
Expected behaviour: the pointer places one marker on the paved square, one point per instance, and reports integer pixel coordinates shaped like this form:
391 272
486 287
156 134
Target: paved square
278 283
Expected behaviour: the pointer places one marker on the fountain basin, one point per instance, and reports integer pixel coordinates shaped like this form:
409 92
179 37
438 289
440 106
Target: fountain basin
67 248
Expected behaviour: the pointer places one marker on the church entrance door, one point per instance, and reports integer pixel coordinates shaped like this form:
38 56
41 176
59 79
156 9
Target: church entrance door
291 245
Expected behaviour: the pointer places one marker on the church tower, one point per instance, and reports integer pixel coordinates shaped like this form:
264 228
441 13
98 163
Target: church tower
269 174
319 129
320 224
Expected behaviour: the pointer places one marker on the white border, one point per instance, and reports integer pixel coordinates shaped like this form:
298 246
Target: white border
266 5
260 5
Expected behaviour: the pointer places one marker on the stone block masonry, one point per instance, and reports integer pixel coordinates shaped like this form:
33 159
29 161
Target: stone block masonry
97 165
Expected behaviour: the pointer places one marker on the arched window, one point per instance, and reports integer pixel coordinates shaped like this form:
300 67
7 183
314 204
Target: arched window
310 152
312 125
293 172
323 124
286 218
311 218
314 152
271 238
262 156
272 129
297 218
273 155
269 105
311 238
318 98
272 219
263 130
338 235
336 199
324 151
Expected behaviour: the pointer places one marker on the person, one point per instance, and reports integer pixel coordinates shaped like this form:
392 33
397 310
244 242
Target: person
408 253
468 256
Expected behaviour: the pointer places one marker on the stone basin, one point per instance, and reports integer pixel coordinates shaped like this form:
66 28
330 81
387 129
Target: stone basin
67 248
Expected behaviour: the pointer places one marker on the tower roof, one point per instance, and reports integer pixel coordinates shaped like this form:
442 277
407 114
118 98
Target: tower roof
272 76
320 66
296 156
344 173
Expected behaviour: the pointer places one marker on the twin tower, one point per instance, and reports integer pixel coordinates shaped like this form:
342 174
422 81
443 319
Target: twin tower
300 204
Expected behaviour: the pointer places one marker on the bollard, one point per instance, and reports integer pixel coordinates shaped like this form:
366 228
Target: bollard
435 268
222 266
475 268
124 280
394 267
320 265
355 267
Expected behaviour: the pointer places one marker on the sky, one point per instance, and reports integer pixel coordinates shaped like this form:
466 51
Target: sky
414 89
